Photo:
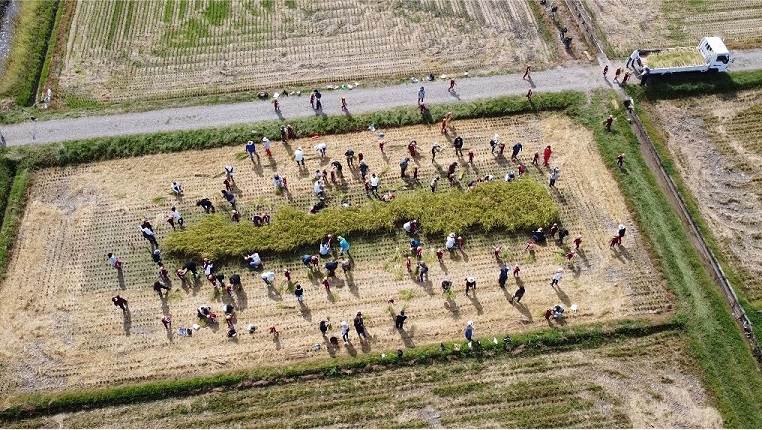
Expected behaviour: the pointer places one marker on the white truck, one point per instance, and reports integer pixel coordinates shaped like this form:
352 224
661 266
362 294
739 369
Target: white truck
711 55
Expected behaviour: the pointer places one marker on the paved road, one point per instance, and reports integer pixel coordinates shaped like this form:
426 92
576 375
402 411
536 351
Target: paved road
359 100
567 77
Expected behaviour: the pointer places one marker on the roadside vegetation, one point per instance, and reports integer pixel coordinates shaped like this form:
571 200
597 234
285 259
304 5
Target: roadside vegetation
35 21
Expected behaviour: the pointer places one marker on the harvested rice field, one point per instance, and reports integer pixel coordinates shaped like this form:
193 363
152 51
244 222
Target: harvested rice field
137 50
716 143
65 332
631 24
640 383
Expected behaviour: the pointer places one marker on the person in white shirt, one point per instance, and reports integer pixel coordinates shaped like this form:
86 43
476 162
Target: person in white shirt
450 242
268 278
374 183
321 149
177 189
266 144
557 277
299 156
317 188
229 173
254 261
175 218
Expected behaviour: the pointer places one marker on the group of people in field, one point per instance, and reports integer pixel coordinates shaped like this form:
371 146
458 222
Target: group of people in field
333 251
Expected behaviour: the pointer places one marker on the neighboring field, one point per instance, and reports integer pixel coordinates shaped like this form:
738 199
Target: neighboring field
638 383
632 24
69 333
120 50
716 143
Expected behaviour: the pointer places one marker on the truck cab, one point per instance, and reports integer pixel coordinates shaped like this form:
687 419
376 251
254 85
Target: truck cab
715 52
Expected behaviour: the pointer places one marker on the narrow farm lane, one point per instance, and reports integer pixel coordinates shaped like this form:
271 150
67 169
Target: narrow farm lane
570 77
565 77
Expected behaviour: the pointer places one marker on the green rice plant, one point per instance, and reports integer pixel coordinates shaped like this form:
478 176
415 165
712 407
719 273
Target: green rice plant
510 206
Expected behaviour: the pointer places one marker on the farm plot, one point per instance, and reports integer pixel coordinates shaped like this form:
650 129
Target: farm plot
632 24
639 383
76 215
716 143
126 50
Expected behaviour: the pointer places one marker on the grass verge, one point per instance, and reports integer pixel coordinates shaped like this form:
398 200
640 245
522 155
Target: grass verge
695 84
735 274
730 371
83 151
34 24
527 344
14 210
510 206
7 172
53 62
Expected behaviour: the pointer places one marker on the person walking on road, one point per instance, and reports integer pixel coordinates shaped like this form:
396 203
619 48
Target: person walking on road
527 72
421 95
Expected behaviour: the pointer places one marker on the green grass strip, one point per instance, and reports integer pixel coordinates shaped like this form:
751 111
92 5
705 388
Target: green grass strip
532 343
14 211
735 273
509 206
7 172
28 50
107 148
686 85
730 371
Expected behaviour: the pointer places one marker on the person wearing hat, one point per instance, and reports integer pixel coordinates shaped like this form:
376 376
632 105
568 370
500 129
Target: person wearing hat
360 326
470 284
345 332
469 333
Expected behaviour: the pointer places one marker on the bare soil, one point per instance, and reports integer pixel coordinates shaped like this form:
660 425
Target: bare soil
715 140
150 50
638 383
61 330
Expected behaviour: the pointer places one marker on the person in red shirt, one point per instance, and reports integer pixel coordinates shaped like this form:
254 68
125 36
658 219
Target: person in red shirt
577 242
546 156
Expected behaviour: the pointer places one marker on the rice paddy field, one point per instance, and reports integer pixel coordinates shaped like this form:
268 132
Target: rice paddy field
138 50
630 24
715 142
645 382
65 333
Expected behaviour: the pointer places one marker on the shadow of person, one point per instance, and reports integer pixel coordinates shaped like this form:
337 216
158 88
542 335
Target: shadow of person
305 311
279 114
407 337
196 285
127 321
242 299
350 349
625 253
120 279
170 334
475 301
365 344
274 294
523 309
562 296
451 306
164 303
276 341
464 255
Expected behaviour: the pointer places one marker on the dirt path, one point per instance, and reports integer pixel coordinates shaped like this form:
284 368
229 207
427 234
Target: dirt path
568 77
